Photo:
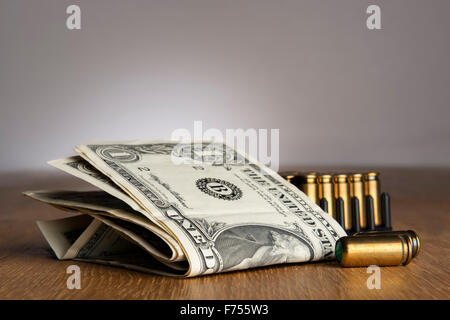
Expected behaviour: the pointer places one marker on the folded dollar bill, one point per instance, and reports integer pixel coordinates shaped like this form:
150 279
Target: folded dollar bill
183 209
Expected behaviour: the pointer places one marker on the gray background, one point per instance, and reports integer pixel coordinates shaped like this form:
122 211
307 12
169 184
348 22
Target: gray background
339 93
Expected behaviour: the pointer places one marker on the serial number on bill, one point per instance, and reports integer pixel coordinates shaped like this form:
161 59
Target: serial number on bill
227 309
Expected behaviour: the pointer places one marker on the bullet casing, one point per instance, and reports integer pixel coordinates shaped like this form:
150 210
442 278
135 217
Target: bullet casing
372 189
356 185
325 189
341 190
415 239
308 184
363 251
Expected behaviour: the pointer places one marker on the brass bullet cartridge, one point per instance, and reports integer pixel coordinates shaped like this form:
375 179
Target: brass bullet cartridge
341 191
326 196
363 251
357 191
372 189
415 239
307 182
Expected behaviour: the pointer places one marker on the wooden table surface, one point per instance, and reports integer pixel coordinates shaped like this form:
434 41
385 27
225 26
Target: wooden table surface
29 270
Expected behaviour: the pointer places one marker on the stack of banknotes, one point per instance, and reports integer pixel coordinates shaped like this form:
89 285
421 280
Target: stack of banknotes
183 209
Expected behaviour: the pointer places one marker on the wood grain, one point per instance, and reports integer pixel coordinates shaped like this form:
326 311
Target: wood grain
29 270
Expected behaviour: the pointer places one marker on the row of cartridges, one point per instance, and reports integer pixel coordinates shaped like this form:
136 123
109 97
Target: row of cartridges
354 199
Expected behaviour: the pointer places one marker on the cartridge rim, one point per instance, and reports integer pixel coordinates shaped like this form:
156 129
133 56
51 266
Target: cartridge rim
371 176
409 246
415 242
355 177
340 178
311 177
288 174
308 177
325 178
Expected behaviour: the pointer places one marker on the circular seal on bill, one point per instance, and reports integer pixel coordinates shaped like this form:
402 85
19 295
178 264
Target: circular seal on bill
116 153
219 189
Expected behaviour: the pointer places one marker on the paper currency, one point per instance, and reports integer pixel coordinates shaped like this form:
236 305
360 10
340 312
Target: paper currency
184 209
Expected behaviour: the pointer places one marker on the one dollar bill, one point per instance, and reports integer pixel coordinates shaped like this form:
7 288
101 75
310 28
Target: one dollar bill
214 210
